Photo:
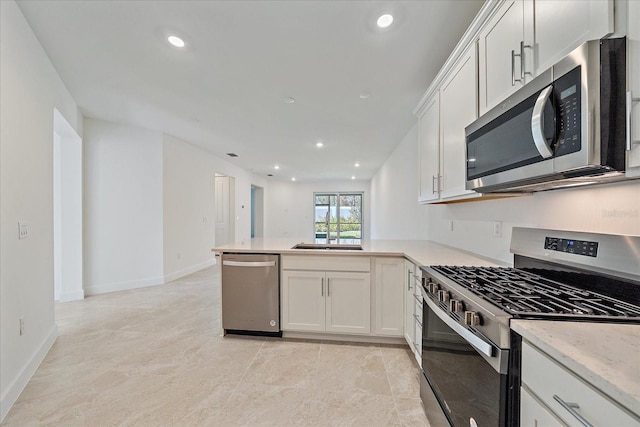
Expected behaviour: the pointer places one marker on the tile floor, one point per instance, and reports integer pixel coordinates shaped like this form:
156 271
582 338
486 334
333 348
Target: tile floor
155 357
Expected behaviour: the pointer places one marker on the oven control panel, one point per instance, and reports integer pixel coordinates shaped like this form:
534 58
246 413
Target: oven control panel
571 246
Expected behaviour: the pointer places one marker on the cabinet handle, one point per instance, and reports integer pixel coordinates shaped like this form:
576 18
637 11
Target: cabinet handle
433 184
322 287
513 67
571 407
630 101
523 73
408 279
415 316
328 286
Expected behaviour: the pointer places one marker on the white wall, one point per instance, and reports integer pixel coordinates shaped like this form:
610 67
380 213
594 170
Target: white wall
395 211
289 206
188 207
122 206
611 208
30 89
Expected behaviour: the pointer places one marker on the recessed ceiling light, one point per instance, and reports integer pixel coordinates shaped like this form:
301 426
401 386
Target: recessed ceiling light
384 20
232 155
319 144
175 41
365 95
289 100
357 165
276 167
353 177
269 174
293 179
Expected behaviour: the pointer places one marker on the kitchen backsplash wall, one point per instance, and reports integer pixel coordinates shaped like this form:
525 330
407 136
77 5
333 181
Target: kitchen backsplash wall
289 206
612 208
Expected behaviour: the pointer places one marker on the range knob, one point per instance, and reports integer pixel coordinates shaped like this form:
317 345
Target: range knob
432 287
472 318
443 295
456 306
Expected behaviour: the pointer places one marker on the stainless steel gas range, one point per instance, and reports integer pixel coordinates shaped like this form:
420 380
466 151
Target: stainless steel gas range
471 358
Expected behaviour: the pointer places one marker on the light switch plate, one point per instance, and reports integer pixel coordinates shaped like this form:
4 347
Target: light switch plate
23 230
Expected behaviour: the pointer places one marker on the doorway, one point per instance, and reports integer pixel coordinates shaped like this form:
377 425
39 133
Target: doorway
67 211
225 188
257 211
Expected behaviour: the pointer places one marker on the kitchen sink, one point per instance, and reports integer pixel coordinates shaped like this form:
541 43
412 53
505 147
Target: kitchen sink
327 247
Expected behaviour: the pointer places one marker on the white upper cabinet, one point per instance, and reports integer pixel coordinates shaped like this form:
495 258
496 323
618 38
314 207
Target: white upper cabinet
633 107
552 29
458 109
525 37
499 43
429 136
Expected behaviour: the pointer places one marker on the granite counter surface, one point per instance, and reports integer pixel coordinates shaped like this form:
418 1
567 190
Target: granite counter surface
605 355
421 252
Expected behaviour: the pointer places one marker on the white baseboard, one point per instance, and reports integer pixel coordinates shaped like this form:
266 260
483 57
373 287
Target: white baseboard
71 296
186 271
122 286
15 388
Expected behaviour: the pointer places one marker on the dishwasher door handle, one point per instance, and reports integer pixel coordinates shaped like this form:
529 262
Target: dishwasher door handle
249 263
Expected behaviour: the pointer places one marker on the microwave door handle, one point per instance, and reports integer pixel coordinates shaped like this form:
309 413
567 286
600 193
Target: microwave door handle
537 123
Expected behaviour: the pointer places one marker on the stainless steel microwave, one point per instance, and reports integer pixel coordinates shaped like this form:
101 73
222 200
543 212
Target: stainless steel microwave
564 128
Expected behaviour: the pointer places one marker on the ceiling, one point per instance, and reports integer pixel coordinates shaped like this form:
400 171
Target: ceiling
225 90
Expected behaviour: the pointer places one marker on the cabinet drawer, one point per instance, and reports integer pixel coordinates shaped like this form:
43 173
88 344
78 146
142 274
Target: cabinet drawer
326 263
546 379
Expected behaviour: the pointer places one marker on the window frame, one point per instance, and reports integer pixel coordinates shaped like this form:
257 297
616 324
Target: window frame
338 194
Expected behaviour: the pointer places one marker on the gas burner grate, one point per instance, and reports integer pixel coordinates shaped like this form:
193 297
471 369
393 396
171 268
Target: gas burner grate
523 294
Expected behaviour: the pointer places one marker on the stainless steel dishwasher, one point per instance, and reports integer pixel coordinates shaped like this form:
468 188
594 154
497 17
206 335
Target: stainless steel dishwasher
251 294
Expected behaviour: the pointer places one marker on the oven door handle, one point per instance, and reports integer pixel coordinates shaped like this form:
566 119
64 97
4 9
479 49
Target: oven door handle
477 342
537 124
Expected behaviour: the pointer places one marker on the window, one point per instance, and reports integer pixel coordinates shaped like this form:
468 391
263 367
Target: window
338 218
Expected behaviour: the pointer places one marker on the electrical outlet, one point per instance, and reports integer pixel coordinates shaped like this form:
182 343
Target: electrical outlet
23 230
21 326
497 228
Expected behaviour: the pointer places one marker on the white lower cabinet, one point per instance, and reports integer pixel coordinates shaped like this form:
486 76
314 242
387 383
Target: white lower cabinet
554 395
413 309
535 414
389 282
326 301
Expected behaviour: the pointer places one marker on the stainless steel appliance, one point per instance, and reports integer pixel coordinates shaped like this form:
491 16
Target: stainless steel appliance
566 127
251 294
470 357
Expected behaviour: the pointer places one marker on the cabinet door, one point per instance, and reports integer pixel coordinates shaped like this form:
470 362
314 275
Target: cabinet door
429 146
498 42
555 28
348 302
549 381
633 41
409 303
390 285
303 300
534 413
458 108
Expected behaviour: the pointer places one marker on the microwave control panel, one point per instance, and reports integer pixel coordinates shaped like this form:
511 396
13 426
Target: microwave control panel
578 247
567 98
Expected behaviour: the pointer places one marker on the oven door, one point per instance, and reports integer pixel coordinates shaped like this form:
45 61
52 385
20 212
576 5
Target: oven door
469 381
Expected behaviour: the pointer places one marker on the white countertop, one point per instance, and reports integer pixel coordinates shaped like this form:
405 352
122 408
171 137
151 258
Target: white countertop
605 355
421 252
